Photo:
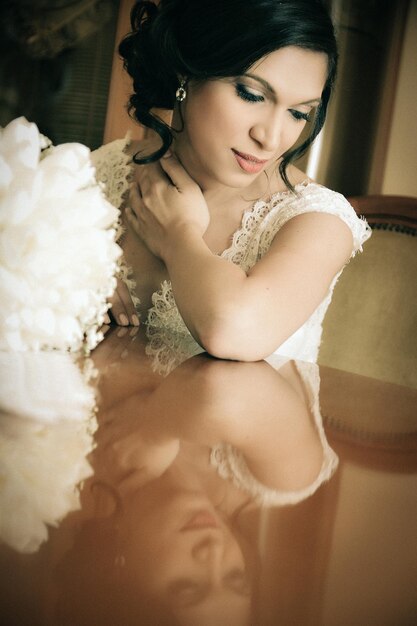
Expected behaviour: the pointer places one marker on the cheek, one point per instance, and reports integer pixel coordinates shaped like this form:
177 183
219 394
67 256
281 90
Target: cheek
205 126
213 117
293 133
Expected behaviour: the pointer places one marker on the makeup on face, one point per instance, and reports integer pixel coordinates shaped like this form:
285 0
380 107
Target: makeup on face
200 521
235 127
249 163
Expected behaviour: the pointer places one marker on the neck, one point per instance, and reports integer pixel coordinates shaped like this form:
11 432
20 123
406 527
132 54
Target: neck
217 194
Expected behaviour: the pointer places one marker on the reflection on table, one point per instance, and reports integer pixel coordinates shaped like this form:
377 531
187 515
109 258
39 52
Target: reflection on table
209 494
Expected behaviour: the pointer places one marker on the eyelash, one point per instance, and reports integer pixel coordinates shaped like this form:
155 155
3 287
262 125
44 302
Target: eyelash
299 116
243 93
246 95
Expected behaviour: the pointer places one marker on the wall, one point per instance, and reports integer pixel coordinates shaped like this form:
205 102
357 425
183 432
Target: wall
351 153
118 122
400 176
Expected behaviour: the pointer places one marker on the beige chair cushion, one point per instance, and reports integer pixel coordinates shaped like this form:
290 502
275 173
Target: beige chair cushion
371 325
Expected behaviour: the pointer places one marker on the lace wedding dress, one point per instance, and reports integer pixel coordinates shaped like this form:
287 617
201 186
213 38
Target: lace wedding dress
169 339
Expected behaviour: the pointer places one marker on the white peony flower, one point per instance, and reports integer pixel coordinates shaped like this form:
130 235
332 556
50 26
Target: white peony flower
58 254
45 386
46 434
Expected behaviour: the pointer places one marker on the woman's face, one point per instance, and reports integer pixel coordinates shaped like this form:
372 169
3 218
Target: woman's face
235 128
187 556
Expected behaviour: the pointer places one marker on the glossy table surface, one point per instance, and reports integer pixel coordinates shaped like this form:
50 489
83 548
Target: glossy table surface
115 511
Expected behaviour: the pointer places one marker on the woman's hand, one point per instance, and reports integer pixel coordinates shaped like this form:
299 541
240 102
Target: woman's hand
164 201
122 309
128 457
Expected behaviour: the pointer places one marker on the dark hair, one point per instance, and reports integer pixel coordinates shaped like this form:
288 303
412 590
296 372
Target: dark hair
216 39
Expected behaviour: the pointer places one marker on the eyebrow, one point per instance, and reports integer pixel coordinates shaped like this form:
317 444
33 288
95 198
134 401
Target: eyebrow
269 87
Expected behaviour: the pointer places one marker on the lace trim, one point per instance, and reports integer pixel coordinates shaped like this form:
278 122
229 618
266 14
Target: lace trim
244 239
164 311
231 464
318 199
114 170
168 350
259 226
249 243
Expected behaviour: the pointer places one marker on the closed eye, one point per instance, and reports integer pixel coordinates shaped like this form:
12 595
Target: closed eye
238 581
299 116
247 95
184 592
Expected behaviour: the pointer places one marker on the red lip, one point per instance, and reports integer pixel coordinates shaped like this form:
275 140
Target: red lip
249 157
248 162
202 519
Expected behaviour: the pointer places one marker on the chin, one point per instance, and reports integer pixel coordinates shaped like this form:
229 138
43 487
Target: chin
226 175
234 180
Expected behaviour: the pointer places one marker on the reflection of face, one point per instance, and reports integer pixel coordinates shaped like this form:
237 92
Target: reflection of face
186 555
260 114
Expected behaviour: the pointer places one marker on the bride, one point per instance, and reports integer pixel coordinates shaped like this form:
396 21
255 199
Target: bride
224 237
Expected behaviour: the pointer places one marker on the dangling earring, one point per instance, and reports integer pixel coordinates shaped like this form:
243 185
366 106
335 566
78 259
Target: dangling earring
181 92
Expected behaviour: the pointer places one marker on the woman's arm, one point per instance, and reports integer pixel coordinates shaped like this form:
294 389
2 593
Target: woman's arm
261 412
232 314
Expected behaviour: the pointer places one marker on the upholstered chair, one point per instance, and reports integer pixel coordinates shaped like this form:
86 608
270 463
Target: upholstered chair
371 325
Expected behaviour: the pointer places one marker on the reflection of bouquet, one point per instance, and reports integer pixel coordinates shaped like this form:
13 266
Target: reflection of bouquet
58 255
47 420
40 468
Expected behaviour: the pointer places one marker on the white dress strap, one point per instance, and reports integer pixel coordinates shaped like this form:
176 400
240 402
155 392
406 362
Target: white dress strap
313 198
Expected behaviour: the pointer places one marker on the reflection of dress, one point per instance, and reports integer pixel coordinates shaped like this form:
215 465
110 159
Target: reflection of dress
259 226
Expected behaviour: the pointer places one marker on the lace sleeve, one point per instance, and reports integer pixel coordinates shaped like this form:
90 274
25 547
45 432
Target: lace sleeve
313 198
113 169
231 464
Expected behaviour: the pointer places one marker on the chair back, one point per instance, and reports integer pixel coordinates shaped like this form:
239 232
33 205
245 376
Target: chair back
371 325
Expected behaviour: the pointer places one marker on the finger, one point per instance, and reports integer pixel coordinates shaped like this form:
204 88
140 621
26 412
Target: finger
122 308
118 341
126 298
146 185
150 174
135 203
176 172
118 311
132 220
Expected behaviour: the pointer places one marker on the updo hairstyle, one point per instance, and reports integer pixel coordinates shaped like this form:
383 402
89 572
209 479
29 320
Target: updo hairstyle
210 39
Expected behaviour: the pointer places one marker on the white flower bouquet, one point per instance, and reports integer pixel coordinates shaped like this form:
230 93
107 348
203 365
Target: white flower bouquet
58 250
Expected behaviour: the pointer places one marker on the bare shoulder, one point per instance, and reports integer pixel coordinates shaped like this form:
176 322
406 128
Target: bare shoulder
320 232
317 236
296 176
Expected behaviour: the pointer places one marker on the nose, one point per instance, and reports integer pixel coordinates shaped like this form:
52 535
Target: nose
209 549
209 554
217 554
267 132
